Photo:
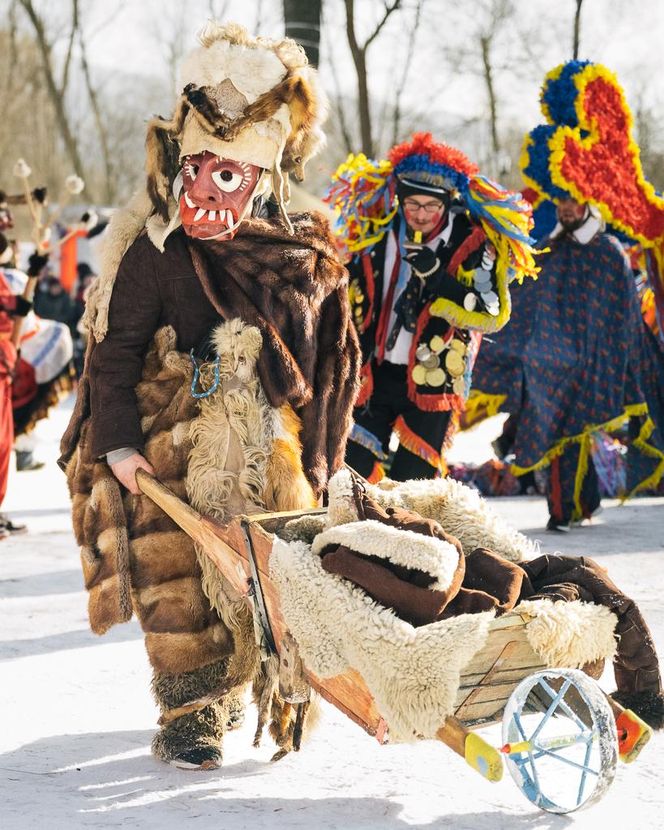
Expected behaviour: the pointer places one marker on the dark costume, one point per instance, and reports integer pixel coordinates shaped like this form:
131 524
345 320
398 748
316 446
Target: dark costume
420 305
254 419
570 362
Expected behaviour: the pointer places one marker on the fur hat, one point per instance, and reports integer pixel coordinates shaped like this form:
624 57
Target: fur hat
250 99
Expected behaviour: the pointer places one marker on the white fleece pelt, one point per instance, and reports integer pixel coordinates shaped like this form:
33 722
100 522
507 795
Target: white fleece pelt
428 554
570 634
461 511
413 673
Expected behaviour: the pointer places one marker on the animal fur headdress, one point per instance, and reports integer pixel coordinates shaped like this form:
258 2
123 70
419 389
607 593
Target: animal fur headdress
250 99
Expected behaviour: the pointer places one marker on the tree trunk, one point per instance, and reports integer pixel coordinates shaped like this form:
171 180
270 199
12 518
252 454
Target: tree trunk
491 93
109 188
360 61
302 18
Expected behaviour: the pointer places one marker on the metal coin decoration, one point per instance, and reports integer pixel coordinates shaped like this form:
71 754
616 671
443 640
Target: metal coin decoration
436 377
458 346
419 375
432 362
470 301
422 352
490 298
482 278
436 344
454 363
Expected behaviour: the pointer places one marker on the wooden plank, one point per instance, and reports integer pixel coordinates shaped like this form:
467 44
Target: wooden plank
487 698
522 655
273 522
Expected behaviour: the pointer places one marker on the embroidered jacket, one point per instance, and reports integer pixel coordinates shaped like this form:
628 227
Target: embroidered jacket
450 320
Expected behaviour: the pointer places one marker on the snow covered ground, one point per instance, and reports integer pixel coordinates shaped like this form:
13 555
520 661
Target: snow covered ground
76 716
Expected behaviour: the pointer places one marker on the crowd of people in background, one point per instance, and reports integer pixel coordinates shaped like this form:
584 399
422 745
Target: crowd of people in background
42 346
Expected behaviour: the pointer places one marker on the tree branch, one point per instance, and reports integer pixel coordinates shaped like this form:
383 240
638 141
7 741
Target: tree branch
54 94
401 85
70 46
396 4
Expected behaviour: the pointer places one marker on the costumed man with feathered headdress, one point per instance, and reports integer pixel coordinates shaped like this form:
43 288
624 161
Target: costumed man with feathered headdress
577 357
434 247
222 358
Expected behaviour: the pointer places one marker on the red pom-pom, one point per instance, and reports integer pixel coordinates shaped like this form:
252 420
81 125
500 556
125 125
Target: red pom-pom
422 144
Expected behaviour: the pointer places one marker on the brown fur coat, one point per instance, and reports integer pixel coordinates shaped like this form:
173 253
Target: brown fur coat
229 452
296 296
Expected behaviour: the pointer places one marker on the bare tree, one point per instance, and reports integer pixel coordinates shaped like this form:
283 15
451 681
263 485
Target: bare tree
108 193
359 54
483 45
413 30
56 92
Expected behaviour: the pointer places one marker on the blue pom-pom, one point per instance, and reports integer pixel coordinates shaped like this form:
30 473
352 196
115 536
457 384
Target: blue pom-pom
559 94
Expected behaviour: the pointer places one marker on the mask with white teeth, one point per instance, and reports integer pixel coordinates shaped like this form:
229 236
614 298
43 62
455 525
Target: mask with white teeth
216 195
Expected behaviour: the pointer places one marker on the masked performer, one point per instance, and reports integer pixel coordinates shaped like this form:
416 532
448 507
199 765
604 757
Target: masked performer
222 358
434 249
576 356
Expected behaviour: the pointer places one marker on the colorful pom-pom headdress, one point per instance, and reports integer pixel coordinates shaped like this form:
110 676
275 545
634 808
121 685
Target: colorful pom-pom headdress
586 151
364 196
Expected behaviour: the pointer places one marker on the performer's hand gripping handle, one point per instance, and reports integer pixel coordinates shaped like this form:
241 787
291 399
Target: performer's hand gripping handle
125 471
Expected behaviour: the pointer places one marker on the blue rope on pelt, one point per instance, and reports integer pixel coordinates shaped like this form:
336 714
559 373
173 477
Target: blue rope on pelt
197 374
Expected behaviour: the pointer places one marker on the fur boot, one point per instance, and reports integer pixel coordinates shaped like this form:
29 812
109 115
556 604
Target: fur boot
195 715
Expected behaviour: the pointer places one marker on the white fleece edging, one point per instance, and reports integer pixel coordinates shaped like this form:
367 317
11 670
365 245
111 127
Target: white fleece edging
428 554
461 511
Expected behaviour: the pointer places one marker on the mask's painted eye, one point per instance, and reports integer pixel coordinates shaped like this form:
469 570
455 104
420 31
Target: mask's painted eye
227 180
190 169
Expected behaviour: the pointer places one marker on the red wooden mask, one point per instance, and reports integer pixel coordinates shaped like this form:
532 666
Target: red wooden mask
215 194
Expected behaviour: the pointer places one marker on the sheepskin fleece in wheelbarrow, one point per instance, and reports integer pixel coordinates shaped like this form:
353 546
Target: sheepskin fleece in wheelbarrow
461 512
413 673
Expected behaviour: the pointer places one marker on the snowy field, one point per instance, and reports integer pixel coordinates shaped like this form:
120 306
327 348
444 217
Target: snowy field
77 718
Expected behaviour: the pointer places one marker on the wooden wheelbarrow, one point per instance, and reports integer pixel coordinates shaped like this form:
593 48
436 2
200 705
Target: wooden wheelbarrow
552 718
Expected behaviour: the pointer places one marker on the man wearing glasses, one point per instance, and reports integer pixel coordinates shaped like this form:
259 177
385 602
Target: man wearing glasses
425 282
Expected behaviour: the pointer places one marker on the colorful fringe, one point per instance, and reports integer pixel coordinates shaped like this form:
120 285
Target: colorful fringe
362 194
377 473
585 440
480 406
368 440
418 446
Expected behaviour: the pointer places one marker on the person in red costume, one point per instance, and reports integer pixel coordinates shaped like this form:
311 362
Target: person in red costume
10 308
